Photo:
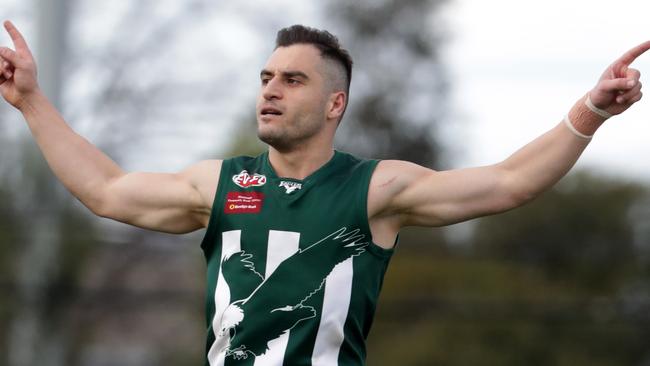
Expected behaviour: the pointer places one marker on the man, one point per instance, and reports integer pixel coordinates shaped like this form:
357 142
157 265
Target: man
298 238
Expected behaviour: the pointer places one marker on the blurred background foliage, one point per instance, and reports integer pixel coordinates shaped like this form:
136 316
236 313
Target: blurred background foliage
563 281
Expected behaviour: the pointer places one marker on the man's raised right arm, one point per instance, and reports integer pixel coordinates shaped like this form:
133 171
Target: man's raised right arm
175 203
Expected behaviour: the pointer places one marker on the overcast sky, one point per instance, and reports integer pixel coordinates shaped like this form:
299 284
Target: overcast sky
518 67
515 69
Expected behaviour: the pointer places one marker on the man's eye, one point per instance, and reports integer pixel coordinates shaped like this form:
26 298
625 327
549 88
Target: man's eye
292 81
265 81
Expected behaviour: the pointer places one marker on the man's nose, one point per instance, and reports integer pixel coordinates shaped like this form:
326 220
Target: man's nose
272 89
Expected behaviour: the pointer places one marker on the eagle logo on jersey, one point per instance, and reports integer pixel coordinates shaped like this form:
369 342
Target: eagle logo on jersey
290 186
245 180
256 314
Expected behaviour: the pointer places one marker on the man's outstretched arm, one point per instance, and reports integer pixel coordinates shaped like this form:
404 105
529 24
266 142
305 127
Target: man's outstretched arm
165 202
407 194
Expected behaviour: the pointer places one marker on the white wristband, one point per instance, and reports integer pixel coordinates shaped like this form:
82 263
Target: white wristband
598 111
568 123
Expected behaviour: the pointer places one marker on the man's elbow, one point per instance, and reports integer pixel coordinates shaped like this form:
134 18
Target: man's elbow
518 193
523 197
96 205
98 202
522 194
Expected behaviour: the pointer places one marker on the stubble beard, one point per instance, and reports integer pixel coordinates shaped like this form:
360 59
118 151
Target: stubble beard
291 134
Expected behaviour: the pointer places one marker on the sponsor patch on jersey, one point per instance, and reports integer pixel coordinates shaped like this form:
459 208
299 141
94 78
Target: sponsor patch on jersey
243 202
290 186
246 180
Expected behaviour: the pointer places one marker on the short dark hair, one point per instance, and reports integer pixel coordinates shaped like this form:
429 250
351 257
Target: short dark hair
325 41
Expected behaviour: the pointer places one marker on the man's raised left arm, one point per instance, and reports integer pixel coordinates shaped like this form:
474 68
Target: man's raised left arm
409 194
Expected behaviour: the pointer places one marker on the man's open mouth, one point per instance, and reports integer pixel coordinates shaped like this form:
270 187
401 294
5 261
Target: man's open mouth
270 111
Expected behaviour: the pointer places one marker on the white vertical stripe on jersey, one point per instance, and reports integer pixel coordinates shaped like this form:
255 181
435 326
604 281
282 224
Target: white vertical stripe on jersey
231 244
336 302
282 245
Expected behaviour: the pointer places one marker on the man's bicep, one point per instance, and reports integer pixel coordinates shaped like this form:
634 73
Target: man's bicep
168 202
424 197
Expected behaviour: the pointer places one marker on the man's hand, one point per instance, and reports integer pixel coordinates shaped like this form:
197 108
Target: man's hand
17 70
619 86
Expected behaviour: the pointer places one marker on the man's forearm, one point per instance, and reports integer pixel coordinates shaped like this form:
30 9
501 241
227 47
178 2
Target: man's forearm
541 163
82 168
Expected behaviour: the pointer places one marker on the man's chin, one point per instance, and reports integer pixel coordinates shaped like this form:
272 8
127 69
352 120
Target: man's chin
267 136
277 141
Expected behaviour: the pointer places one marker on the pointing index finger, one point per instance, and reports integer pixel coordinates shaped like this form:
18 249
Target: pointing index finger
632 54
16 37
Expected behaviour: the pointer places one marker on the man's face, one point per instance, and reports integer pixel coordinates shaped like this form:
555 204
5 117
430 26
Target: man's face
292 100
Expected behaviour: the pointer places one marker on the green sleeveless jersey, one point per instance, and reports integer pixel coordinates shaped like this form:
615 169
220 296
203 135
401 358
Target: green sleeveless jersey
293 276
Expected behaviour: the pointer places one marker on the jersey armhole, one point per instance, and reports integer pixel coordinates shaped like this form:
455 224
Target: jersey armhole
208 241
367 172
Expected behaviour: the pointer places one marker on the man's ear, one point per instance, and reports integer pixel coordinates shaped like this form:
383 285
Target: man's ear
336 105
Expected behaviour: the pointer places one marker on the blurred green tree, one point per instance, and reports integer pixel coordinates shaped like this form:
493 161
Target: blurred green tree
399 88
582 229
560 281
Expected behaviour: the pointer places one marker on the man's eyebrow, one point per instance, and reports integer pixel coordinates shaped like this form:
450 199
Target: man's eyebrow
285 74
291 74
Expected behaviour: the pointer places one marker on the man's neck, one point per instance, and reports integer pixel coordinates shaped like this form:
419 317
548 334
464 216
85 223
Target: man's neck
300 163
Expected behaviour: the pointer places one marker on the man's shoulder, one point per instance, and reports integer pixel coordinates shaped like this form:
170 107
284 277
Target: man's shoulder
204 177
393 170
202 168
390 178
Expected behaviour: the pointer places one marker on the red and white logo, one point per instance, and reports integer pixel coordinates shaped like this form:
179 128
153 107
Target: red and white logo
245 180
243 202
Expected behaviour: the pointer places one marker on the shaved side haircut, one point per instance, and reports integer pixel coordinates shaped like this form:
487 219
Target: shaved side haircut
330 49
